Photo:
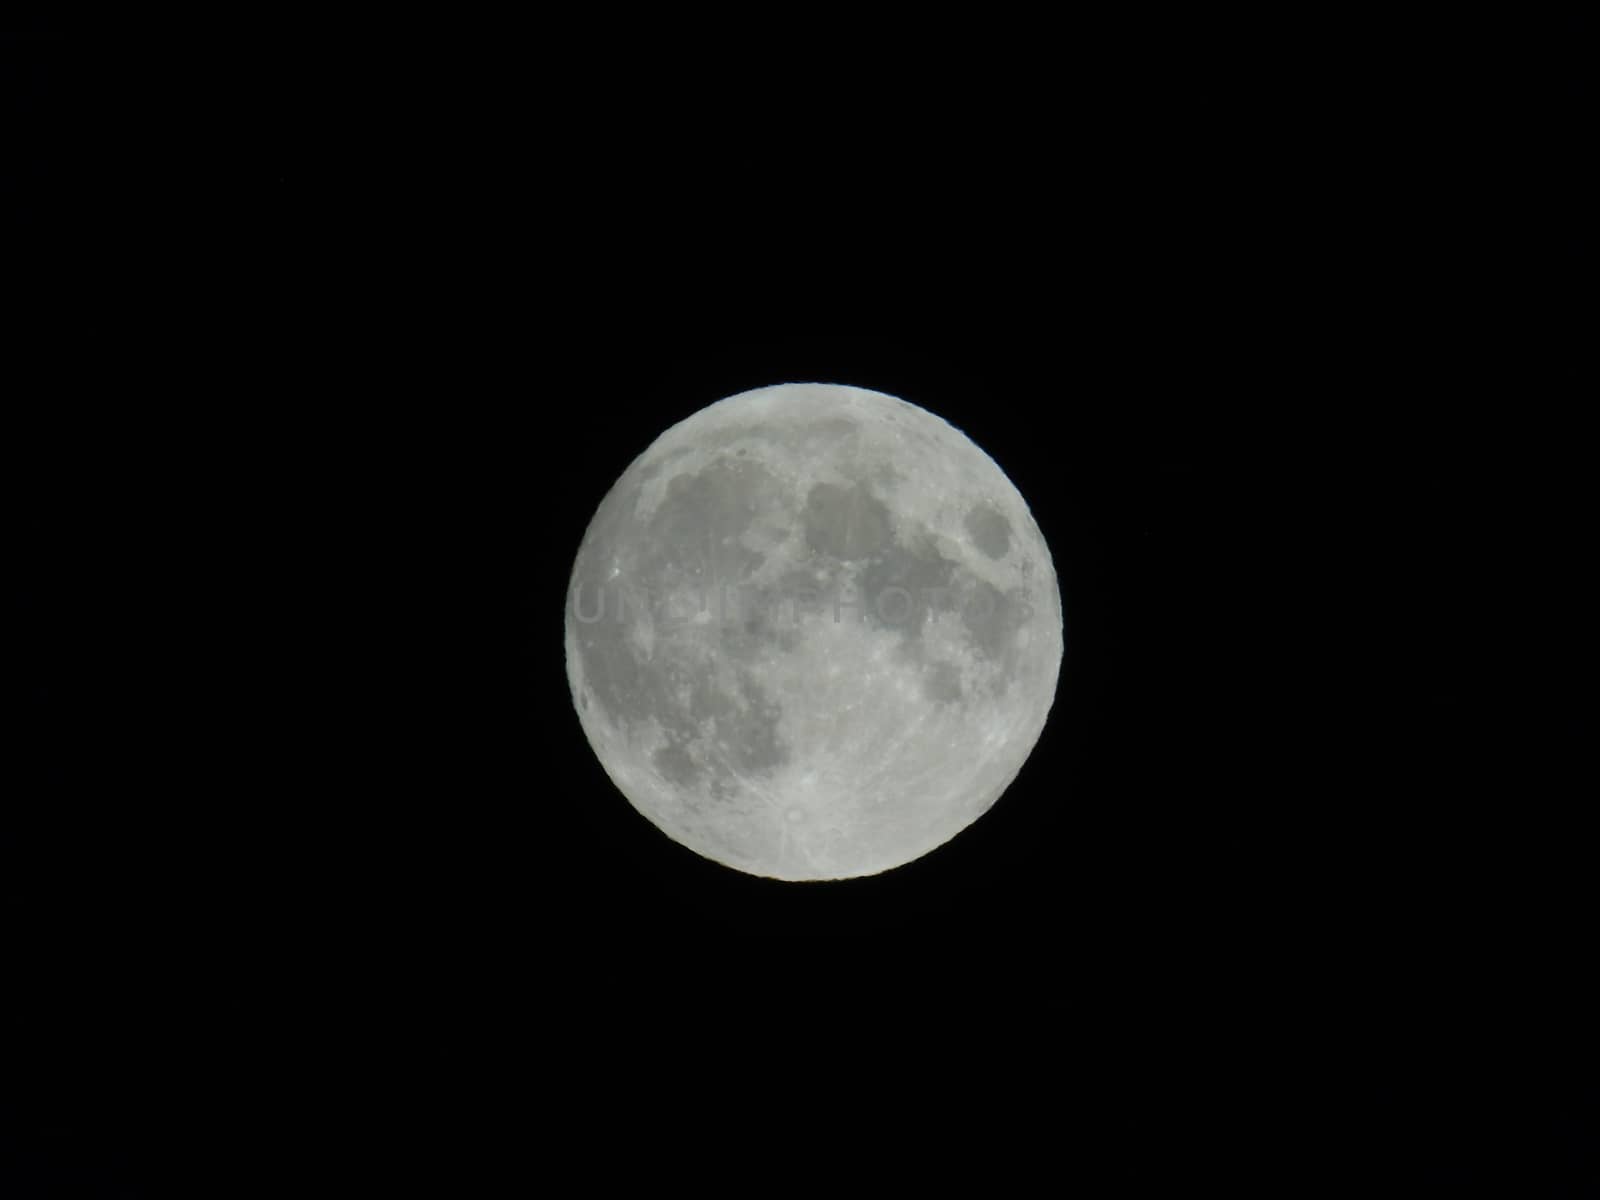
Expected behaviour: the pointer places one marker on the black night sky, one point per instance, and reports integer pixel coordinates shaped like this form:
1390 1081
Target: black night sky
339 344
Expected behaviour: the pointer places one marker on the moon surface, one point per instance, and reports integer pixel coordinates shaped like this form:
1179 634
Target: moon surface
813 632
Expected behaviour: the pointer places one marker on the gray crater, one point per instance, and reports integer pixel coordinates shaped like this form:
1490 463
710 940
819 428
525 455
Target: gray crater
844 523
990 532
675 765
620 687
903 585
942 683
695 531
991 619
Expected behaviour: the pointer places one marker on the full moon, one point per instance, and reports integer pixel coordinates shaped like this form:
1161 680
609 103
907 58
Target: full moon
813 632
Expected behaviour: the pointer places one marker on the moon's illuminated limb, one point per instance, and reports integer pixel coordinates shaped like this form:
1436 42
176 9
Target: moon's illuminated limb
813 632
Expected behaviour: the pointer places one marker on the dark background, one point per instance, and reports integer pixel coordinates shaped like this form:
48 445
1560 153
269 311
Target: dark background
335 345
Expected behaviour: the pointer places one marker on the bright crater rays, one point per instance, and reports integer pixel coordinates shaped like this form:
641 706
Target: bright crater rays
813 632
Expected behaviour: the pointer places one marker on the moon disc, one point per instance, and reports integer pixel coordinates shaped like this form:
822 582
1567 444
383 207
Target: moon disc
813 632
